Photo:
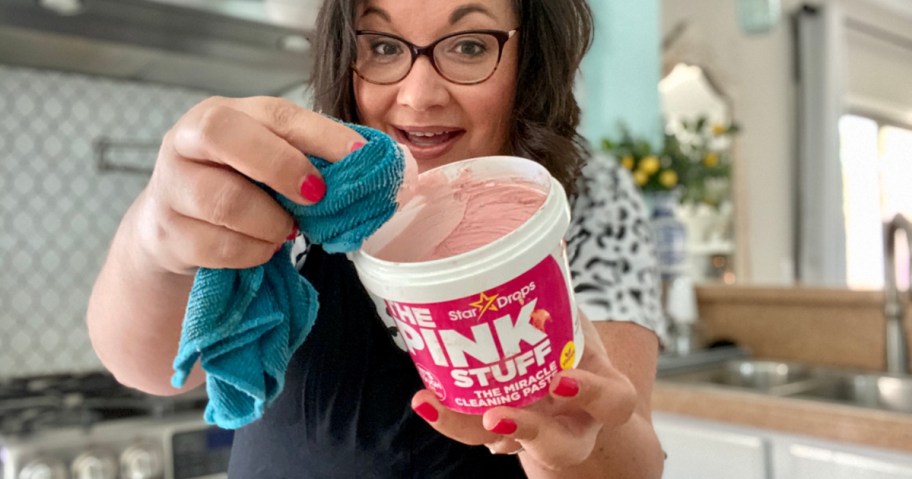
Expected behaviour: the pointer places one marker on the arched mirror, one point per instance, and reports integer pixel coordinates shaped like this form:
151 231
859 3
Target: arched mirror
699 122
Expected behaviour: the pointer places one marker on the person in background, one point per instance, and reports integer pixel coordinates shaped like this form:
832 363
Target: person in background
450 80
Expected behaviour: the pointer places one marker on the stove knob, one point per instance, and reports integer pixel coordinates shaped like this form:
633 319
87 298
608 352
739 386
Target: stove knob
142 461
95 465
43 469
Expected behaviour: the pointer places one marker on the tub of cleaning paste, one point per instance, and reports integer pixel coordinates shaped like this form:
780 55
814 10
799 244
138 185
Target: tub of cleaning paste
473 272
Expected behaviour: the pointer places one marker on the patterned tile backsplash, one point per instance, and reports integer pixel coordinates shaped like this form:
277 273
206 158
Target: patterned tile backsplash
58 211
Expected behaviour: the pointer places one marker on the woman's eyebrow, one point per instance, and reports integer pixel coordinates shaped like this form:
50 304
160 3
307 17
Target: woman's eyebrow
377 11
464 10
455 17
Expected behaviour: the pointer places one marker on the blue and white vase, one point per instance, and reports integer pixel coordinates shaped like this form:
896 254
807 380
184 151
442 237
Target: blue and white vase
670 234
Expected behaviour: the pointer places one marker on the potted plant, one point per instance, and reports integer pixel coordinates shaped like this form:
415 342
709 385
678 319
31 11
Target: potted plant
692 165
686 182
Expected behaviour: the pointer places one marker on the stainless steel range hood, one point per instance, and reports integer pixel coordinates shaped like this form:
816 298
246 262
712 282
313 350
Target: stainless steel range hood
202 45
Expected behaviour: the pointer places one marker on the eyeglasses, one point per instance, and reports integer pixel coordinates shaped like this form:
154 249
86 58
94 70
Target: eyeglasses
465 58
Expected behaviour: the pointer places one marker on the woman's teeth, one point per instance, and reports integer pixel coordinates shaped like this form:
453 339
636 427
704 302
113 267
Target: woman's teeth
426 138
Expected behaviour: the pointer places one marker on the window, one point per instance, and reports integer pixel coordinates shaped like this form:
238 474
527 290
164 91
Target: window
877 184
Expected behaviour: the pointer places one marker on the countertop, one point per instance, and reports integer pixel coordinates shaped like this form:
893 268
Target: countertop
837 422
820 419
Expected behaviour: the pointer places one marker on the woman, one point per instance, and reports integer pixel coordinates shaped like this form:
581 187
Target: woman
503 87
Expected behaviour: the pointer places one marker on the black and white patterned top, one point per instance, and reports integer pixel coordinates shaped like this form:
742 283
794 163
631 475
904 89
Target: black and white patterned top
611 251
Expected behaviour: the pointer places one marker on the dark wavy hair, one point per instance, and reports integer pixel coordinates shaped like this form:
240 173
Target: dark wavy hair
554 36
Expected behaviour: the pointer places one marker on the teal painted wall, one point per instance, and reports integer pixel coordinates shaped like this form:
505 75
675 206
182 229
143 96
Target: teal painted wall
620 74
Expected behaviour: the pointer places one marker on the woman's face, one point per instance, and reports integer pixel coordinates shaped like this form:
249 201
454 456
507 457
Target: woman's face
440 121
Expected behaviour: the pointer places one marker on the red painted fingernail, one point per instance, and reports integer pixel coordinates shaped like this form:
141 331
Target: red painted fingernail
428 412
566 387
356 146
504 426
313 189
293 234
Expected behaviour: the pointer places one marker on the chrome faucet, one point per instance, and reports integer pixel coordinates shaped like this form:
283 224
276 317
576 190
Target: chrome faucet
894 311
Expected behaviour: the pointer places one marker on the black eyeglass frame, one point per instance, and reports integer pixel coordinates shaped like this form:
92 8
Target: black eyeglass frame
416 51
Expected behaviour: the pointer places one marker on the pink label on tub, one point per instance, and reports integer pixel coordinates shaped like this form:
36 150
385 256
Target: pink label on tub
496 347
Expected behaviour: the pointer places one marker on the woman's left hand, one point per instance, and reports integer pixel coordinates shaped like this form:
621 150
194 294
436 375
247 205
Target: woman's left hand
558 431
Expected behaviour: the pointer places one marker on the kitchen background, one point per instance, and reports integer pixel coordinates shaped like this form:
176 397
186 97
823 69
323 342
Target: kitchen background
77 148
83 104
87 90
75 151
59 208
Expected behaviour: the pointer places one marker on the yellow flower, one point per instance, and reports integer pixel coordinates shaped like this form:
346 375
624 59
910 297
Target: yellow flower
718 129
627 162
649 165
668 179
711 159
640 177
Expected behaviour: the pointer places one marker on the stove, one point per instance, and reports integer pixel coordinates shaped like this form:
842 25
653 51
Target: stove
88 426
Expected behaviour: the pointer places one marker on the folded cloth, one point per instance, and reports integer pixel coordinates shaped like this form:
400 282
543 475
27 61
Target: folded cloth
245 325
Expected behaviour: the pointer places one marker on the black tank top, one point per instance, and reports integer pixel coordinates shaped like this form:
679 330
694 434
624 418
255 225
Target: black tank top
344 412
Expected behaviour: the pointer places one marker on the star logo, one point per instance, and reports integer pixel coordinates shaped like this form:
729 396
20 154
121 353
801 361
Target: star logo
484 304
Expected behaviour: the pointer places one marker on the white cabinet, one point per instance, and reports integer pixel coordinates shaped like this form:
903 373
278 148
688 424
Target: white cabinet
829 461
703 449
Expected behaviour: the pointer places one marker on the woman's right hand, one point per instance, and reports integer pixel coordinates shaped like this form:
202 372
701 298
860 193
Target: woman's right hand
201 207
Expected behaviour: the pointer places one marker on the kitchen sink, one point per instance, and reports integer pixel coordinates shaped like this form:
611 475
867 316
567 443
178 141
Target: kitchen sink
869 390
804 381
759 375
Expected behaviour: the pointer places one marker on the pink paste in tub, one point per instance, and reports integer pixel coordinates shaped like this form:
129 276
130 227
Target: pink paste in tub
473 271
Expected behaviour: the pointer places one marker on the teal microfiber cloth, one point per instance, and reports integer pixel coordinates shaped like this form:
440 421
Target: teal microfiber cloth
245 325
